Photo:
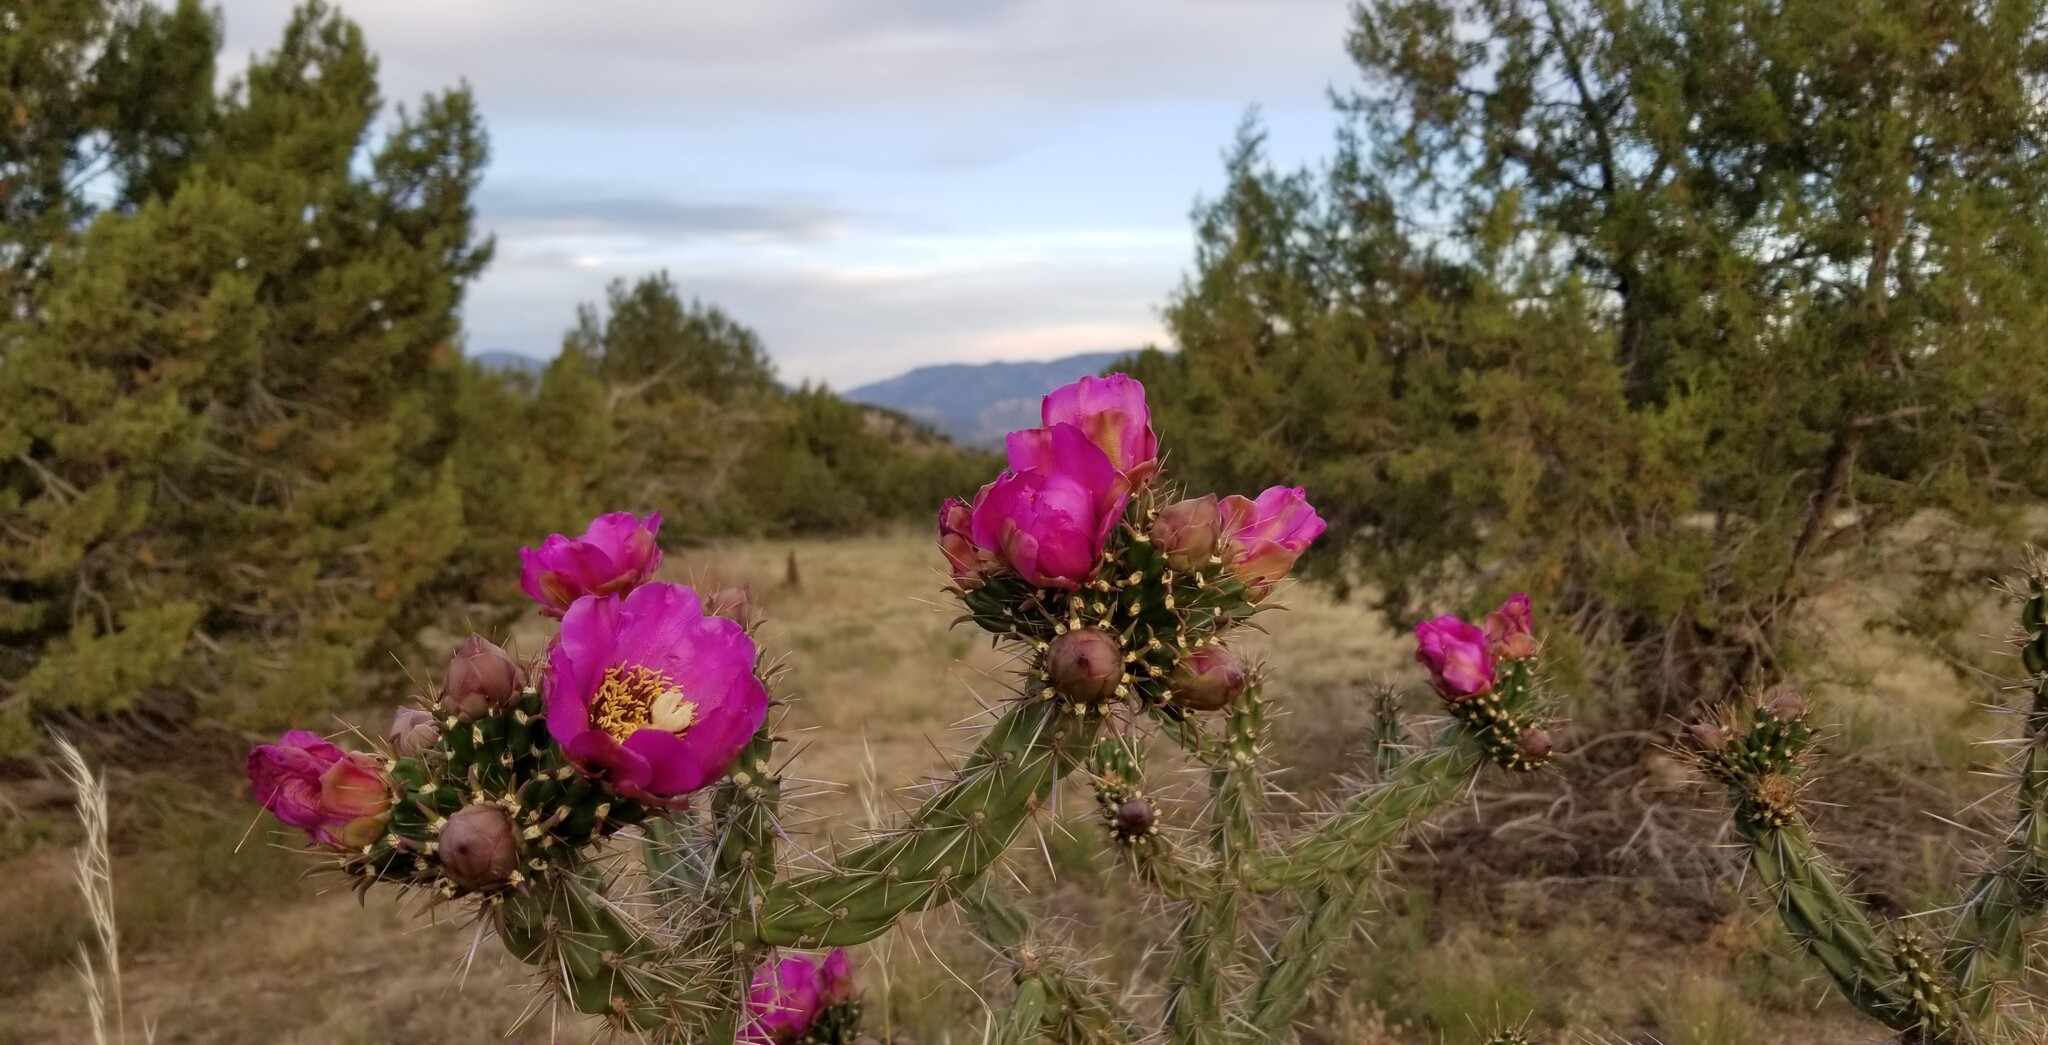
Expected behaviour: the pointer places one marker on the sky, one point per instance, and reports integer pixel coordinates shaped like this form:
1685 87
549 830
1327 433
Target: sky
873 185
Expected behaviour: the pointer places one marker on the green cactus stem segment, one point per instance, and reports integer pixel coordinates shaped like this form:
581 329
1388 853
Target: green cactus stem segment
1898 986
1052 1002
1346 843
951 840
1989 942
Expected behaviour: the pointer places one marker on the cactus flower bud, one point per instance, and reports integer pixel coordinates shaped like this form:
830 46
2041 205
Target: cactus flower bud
792 1000
479 846
1535 744
1511 630
1788 706
1086 665
1185 532
481 676
733 602
616 554
1134 818
1207 679
1457 655
413 730
1705 738
339 798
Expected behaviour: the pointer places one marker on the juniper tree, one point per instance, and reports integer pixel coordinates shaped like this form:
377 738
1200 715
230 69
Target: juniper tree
1673 311
224 458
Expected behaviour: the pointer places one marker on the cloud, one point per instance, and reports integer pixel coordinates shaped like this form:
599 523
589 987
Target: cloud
871 185
560 211
623 59
851 324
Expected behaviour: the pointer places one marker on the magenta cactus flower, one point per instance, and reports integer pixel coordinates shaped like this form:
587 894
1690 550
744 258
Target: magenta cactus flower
1511 630
1049 517
1111 411
616 554
1457 655
788 998
649 693
339 798
1262 538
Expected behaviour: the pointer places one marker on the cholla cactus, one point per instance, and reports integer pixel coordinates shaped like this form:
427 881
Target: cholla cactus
649 714
1943 977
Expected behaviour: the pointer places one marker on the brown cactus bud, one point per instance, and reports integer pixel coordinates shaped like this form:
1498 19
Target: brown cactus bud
479 847
413 730
1185 532
1134 818
1788 706
1207 679
1704 737
1535 744
733 602
481 676
1086 665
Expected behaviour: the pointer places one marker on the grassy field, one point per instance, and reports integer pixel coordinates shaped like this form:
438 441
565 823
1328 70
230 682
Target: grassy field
227 944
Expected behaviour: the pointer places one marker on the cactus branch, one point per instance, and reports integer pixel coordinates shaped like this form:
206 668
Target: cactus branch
950 841
1989 941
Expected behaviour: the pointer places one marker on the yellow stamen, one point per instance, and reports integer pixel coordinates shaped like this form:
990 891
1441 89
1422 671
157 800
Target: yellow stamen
633 698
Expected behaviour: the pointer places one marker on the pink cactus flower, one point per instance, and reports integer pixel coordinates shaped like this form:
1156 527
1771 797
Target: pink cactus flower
788 998
1460 664
649 693
1262 538
616 554
339 798
1111 411
1049 517
1511 630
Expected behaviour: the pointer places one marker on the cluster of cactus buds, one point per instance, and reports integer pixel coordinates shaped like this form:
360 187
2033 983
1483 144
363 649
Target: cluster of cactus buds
512 790
1959 989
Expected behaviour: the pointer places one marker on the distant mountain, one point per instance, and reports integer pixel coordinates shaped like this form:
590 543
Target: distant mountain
499 359
975 403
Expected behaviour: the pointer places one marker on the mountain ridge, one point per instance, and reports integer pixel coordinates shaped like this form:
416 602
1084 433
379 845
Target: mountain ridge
974 404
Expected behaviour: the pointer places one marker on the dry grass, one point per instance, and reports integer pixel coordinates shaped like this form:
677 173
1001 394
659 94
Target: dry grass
882 693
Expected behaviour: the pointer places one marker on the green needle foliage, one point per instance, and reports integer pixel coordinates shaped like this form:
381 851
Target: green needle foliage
240 452
219 445
1669 313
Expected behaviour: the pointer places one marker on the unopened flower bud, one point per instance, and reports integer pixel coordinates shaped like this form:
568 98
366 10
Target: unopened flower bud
1134 818
1086 665
1207 679
1535 744
481 676
1185 532
479 847
413 730
1788 706
734 602
1704 737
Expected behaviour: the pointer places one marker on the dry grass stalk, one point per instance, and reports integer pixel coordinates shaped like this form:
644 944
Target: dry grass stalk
99 968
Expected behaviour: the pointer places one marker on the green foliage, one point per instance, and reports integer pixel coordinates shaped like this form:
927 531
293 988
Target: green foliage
240 453
1669 313
674 407
222 456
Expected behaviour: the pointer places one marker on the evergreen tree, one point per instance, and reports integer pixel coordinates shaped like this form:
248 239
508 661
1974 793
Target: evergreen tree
220 414
1675 312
